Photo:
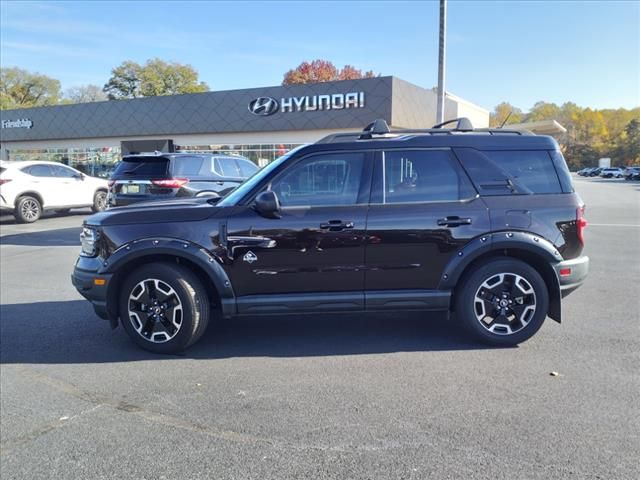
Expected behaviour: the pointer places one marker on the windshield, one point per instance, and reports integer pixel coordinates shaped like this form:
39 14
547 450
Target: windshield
238 194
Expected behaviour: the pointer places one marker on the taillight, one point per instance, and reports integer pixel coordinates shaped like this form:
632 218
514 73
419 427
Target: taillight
4 180
171 182
581 224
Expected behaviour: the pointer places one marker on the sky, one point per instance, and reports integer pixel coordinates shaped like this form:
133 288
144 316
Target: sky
517 51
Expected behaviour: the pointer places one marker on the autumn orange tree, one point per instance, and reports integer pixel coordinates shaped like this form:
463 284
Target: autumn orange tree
323 71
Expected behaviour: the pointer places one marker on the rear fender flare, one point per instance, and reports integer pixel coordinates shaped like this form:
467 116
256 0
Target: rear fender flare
532 244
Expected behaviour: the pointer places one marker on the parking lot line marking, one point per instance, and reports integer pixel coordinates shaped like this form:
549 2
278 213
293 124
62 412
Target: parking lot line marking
613 225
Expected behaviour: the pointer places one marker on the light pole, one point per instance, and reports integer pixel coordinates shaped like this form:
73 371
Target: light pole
442 60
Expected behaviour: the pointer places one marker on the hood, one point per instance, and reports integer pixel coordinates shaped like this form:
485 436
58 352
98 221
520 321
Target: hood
182 210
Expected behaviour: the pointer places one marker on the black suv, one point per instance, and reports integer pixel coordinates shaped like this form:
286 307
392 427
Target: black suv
161 176
483 223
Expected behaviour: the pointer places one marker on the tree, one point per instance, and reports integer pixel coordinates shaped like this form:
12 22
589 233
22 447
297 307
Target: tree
156 77
631 147
543 111
322 71
169 78
503 111
349 72
22 89
85 94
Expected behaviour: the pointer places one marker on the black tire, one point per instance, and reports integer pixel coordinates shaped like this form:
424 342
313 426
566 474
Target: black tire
194 302
99 201
63 211
28 209
469 308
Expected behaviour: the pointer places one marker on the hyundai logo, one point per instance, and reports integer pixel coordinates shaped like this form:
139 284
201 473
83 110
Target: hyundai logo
264 106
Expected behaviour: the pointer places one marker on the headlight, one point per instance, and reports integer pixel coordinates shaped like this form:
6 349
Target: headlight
88 239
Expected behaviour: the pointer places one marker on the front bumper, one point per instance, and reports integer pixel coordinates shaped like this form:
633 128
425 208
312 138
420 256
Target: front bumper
93 287
572 273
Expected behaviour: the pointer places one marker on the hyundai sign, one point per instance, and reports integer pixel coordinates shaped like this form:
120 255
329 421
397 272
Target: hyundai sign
264 106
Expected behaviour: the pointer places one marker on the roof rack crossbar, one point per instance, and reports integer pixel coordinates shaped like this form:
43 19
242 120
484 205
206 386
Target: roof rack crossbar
463 124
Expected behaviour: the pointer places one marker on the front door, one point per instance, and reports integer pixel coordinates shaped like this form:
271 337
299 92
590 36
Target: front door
318 243
423 210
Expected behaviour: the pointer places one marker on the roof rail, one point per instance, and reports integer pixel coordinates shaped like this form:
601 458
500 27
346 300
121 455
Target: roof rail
380 128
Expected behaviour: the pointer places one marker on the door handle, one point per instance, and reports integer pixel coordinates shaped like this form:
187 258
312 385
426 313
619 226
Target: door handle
336 225
453 221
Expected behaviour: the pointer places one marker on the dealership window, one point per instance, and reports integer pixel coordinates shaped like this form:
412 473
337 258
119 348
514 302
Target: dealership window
260 154
97 161
101 161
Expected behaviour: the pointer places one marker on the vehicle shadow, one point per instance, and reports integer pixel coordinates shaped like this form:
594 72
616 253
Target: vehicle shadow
7 219
69 333
62 237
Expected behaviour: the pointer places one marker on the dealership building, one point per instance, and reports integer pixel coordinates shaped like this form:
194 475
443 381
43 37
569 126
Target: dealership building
258 123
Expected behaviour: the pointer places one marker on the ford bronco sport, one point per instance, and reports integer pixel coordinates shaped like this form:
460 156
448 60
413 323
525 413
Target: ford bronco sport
479 222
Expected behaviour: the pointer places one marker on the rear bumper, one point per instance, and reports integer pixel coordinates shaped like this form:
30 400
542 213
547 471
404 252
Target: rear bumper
84 281
572 273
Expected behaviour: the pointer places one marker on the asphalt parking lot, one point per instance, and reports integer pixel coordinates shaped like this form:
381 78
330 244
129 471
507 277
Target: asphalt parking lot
339 397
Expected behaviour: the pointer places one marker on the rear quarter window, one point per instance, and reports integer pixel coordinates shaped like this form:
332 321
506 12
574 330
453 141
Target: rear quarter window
508 172
191 166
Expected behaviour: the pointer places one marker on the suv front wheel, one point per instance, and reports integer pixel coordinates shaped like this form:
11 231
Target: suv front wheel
164 308
502 302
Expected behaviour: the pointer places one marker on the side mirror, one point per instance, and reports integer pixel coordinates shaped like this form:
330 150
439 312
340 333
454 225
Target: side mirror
267 204
79 176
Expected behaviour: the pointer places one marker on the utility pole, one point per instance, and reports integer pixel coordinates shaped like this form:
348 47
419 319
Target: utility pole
442 54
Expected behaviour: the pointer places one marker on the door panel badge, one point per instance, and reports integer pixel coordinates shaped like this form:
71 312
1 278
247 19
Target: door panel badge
250 257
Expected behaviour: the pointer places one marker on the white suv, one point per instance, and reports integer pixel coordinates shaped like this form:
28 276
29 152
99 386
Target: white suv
29 188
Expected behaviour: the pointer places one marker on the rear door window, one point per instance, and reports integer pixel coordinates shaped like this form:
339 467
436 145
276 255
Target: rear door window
148 167
410 176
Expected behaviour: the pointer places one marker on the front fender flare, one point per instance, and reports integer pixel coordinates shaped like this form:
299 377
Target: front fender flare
208 262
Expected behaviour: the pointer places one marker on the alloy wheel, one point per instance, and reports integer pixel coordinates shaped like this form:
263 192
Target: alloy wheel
155 310
505 303
30 210
101 201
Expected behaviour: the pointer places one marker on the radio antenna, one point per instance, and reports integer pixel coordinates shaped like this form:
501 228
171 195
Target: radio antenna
505 120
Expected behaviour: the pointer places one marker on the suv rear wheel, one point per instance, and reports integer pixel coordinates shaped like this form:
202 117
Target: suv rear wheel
28 209
502 302
164 308
99 201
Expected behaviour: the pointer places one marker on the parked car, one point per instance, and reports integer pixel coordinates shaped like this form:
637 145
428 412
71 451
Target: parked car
162 176
583 172
29 188
631 173
457 220
612 172
595 172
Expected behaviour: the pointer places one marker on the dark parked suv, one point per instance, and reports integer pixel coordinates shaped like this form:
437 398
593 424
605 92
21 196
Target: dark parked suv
482 223
161 176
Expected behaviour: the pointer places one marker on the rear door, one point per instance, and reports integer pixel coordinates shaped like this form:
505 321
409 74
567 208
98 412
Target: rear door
423 210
